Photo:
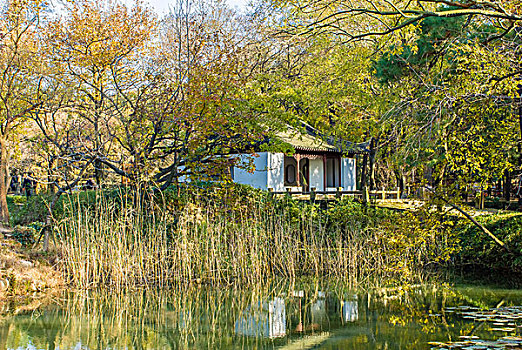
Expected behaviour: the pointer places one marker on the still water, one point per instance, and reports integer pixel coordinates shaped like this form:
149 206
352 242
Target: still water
279 316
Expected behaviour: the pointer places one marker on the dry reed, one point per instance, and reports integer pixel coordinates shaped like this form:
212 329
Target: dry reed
127 244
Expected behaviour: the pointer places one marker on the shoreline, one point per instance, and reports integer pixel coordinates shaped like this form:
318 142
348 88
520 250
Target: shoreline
26 274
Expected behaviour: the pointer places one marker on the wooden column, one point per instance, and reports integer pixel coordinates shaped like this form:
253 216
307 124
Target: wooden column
324 172
298 170
339 172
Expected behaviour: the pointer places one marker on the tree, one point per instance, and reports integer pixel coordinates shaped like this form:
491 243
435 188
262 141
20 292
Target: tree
201 113
148 102
84 49
97 48
324 81
457 98
441 61
23 86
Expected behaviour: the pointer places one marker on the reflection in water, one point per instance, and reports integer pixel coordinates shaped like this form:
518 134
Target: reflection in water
201 318
318 311
350 310
4 332
263 320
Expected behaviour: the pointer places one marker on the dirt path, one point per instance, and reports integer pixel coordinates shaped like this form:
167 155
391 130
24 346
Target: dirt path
416 204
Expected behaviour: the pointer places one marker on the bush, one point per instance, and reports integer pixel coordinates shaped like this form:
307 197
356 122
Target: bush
34 209
26 211
27 235
479 249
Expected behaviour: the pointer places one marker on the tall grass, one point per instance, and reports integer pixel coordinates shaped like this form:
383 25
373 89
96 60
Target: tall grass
133 243
113 243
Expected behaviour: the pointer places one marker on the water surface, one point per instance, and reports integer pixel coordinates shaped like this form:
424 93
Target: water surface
282 316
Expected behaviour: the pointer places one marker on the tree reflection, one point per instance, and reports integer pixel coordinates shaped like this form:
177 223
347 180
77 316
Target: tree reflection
266 317
4 332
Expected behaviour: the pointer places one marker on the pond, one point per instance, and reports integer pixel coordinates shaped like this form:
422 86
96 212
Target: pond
277 316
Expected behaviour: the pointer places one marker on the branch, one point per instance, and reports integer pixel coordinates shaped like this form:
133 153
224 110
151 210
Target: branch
411 16
470 218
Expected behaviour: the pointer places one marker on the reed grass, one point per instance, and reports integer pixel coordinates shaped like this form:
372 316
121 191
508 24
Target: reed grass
131 243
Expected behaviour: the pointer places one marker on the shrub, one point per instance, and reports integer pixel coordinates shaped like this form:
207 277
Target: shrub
479 249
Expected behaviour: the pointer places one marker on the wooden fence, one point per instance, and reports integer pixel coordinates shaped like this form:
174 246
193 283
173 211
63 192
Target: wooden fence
362 195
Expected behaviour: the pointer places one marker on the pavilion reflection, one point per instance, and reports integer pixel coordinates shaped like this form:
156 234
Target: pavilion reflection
297 313
350 309
266 319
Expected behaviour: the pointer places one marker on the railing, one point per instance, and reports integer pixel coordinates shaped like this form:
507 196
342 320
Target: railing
363 195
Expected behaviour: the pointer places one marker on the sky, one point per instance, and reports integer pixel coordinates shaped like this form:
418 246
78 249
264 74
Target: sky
162 6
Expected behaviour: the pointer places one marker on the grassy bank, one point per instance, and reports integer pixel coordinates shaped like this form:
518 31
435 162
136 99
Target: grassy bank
25 274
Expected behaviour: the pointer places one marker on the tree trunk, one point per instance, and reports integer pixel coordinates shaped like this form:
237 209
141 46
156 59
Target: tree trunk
507 185
49 219
399 176
363 172
50 180
8 177
4 210
98 173
373 143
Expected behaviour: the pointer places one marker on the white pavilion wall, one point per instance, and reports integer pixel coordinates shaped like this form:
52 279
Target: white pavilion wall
348 181
317 174
269 173
275 171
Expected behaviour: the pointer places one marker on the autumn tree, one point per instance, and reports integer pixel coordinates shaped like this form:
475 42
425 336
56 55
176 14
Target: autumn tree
23 83
149 101
200 110
95 46
84 46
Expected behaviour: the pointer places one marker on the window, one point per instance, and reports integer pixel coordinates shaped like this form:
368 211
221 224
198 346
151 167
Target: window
290 171
290 174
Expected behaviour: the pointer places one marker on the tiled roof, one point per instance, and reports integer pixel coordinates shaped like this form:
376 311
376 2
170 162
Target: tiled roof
310 141
305 142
